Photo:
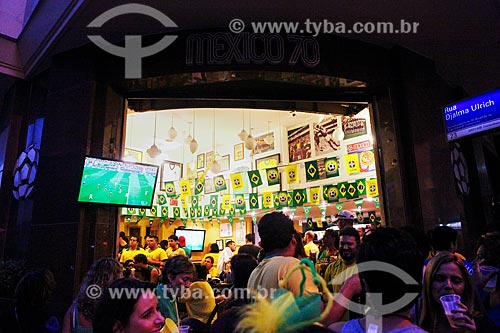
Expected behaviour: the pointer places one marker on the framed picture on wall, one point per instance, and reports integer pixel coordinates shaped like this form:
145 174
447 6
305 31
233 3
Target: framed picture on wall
226 230
132 155
239 151
299 143
209 157
170 171
209 185
200 161
220 244
264 163
224 163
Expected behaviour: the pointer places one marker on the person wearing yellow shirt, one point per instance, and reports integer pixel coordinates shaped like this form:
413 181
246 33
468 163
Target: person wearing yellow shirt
132 251
173 247
310 246
155 254
209 265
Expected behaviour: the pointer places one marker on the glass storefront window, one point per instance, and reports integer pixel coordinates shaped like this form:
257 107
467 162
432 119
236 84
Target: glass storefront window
230 162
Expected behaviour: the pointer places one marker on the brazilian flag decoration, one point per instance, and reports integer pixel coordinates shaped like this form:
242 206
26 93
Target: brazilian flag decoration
162 199
185 209
220 183
164 211
232 210
289 196
213 201
312 172
194 201
240 201
299 197
142 211
192 212
342 190
331 193
254 177
351 191
199 212
198 188
170 189
206 210
131 211
177 212
331 167
243 211
273 176
253 200
222 211
153 210
372 216
282 199
361 187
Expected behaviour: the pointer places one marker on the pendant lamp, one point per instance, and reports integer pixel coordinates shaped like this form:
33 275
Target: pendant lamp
215 167
193 145
189 138
243 134
269 139
154 151
172 132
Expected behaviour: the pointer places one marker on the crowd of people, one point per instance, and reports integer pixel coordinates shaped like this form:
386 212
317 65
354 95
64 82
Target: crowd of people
387 280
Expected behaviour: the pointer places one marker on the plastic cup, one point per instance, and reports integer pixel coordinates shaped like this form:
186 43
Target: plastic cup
183 329
449 303
492 283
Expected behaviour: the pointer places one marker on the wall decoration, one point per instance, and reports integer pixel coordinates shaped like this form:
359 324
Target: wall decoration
299 143
209 185
132 154
200 161
209 156
239 151
220 244
170 171
353 127
226 230
224 163
240 232
265 143
264 163
324 142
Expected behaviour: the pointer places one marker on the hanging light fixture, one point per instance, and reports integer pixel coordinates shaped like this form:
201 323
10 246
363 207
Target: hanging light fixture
154 151
250 142
189 138
243 134
193 145
172 132
215 167
338 134
269 138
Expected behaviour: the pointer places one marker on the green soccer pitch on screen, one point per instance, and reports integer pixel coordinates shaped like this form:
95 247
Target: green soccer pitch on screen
111 182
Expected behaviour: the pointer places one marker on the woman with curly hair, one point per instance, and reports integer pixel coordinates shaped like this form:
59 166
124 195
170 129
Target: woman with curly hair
79 317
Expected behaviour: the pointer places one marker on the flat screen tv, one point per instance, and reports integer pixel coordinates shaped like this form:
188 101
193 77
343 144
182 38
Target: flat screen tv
472 116
195 238
111 182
